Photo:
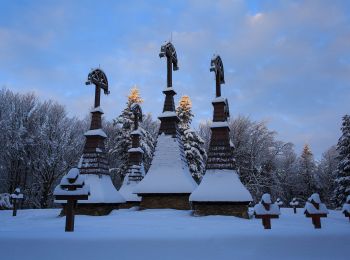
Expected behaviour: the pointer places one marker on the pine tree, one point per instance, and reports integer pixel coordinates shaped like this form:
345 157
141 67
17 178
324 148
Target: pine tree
193 143
342 181
306 173
124 125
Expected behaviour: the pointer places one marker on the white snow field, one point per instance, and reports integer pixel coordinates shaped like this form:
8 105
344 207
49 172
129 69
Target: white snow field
170 234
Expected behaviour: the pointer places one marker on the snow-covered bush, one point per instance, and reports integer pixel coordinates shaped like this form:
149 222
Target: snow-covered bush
5 201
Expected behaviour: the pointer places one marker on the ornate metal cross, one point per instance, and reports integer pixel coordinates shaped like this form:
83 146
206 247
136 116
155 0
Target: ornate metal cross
99 79
137 112
168 50
217 66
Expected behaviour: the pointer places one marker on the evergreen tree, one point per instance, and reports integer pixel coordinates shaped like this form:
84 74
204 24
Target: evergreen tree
342 181
124 125
193 143
306 173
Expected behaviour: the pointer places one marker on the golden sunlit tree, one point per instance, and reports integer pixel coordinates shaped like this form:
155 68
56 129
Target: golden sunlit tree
193 143
134 96
124 124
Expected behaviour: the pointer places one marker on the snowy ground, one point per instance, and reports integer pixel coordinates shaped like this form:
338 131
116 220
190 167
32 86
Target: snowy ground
170 234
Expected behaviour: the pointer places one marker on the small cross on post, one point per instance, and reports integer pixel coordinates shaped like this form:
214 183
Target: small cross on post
16 196
71 188
294 203
315 210
266 210
217 66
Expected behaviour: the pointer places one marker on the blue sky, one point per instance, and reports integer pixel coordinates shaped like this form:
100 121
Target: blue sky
286 62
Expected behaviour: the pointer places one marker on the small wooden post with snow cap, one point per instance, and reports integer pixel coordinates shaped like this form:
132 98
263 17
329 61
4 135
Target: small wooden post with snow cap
279 202
71 189
346 207
15 197
315 209
266 210
294 203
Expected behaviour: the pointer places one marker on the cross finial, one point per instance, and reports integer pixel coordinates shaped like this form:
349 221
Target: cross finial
137 112
168 50
217 66
99 79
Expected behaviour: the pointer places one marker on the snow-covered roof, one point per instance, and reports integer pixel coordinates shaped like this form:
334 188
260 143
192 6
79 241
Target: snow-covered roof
127 191
266 198
259 209
167 114
221 185
219 100
72 173
137 149
169 89
97 109
95 132
16 196
315 197
279 202
346 208
79 181
80 191
219 124
169 172
102 190
310 208
294 203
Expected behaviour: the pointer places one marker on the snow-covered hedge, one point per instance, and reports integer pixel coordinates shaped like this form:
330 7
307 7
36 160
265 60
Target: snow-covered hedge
5 201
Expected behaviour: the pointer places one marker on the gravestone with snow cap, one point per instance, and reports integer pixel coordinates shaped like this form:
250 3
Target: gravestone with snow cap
294 203
136 170
71 188
346 207
279 202
315 209
16 196
168 182
220 191
266 210
104 197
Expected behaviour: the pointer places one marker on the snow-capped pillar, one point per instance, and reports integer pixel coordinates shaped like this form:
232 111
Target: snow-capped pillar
168 119
220 150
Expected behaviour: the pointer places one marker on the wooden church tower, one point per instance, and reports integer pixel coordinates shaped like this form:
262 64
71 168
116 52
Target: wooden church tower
93 164
136 171
220 191
168 182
